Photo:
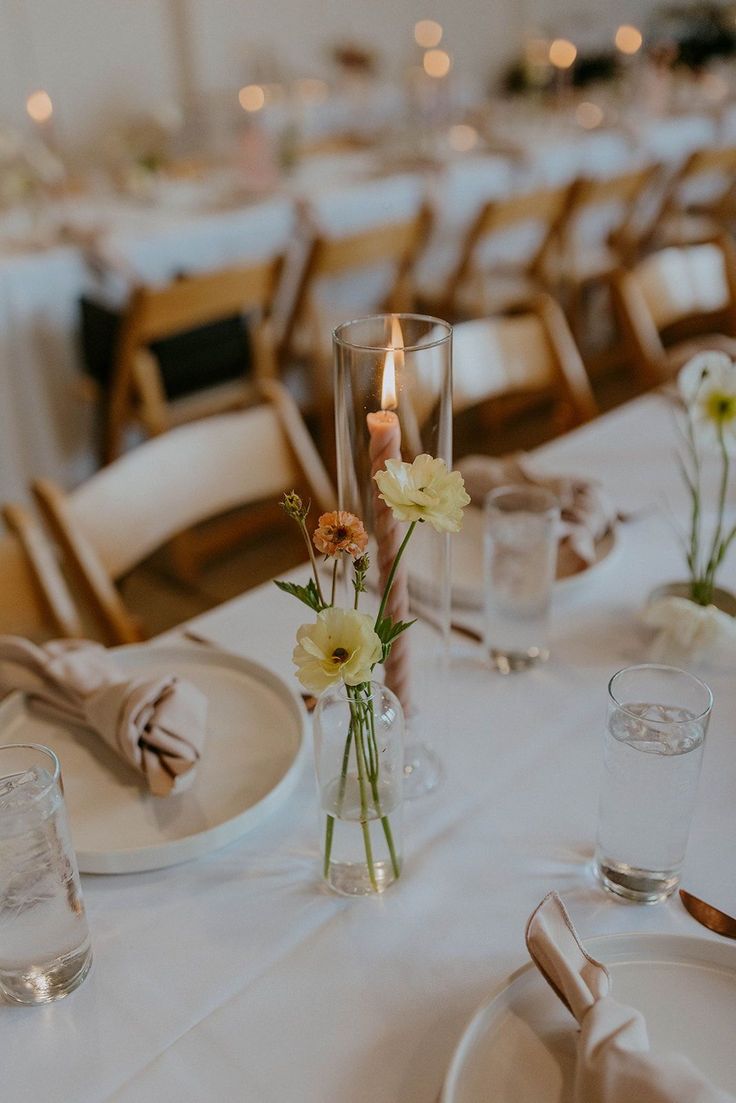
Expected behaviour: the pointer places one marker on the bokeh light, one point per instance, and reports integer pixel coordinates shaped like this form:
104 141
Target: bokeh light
628 39
251 97
463 137
39 106
562 53
589 115
436 63
428 33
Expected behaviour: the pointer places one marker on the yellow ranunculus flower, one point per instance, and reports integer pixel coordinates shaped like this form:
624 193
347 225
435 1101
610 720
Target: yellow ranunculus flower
424 491
340 646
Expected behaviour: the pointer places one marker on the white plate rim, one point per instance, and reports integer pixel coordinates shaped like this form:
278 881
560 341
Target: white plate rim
141 859
704 950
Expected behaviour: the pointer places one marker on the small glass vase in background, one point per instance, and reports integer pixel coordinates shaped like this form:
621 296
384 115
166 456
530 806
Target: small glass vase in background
393 400
359 760
44 940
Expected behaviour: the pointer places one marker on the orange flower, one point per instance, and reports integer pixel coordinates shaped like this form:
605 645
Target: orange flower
340 532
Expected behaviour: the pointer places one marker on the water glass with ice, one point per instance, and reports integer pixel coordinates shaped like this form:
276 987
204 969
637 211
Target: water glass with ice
44 939
520 556
653 749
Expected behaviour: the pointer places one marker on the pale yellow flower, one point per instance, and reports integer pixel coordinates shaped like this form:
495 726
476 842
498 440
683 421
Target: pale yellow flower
708 385
340 646
340 532
424 491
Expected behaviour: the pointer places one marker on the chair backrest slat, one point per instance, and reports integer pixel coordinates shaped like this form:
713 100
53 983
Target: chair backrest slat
195 300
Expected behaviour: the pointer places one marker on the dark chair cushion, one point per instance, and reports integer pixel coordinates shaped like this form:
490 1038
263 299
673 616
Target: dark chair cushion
190 362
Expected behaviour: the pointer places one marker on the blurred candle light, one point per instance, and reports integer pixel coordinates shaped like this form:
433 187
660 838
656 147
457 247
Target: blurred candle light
462 137
428 33
562 53
251 97
39 106
436 63
312 90
588 115
628 39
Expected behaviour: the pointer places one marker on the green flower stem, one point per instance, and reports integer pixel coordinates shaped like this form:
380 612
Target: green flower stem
334 580
373 777
394 566
329 830
364 822
330 825
713 560
312 560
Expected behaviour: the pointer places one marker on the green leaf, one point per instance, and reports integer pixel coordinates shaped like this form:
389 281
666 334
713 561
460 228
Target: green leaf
308 594
387 631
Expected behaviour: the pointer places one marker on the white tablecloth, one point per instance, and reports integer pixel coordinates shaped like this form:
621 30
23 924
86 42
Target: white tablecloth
237 977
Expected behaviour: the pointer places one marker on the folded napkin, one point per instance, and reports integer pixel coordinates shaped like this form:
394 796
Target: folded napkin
586 511
157 725
689 631
614 1062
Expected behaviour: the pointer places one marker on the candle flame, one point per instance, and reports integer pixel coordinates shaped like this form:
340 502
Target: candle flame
394 359
388 386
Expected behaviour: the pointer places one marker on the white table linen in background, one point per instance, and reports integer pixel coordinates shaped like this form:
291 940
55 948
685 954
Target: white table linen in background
46 426
47 429
237 977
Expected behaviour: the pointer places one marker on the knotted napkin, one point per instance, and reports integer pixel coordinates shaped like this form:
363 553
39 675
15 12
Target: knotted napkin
587 513
157 725
614 1062
689 631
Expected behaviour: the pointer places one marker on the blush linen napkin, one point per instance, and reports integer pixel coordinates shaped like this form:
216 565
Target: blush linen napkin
587 513
614 1062
156 725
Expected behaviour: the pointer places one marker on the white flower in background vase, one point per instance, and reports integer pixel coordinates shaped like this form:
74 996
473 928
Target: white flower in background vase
707 385
687 619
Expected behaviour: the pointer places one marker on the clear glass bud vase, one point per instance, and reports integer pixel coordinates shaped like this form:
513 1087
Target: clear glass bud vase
359 760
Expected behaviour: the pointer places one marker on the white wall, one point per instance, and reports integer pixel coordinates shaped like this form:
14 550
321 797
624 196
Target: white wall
103 59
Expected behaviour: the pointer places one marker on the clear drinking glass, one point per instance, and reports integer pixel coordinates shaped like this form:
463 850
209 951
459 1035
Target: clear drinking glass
393 400
520 556
359 760
653 750
45 948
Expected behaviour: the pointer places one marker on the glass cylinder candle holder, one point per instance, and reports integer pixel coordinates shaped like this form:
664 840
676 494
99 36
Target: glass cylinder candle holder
393 400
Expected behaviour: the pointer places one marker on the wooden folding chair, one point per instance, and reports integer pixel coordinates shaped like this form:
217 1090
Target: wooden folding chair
698 201
308 327
195 472
521 356
675 303
34 598
137 394
479 286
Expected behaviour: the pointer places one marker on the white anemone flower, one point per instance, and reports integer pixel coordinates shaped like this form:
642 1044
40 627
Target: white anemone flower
707 384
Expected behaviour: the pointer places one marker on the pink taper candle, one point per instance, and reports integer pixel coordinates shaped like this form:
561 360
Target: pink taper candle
385 444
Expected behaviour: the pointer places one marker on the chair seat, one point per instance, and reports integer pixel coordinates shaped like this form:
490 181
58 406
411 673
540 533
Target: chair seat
487 293
683 229
233 395
679 353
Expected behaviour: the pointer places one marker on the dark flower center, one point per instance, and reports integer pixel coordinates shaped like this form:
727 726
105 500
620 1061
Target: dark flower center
341 533
340 654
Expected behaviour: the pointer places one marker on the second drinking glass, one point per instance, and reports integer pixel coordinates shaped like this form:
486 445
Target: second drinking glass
520 556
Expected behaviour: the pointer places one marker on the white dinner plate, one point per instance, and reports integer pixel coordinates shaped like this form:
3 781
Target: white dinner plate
519 1047
467 563
255 746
